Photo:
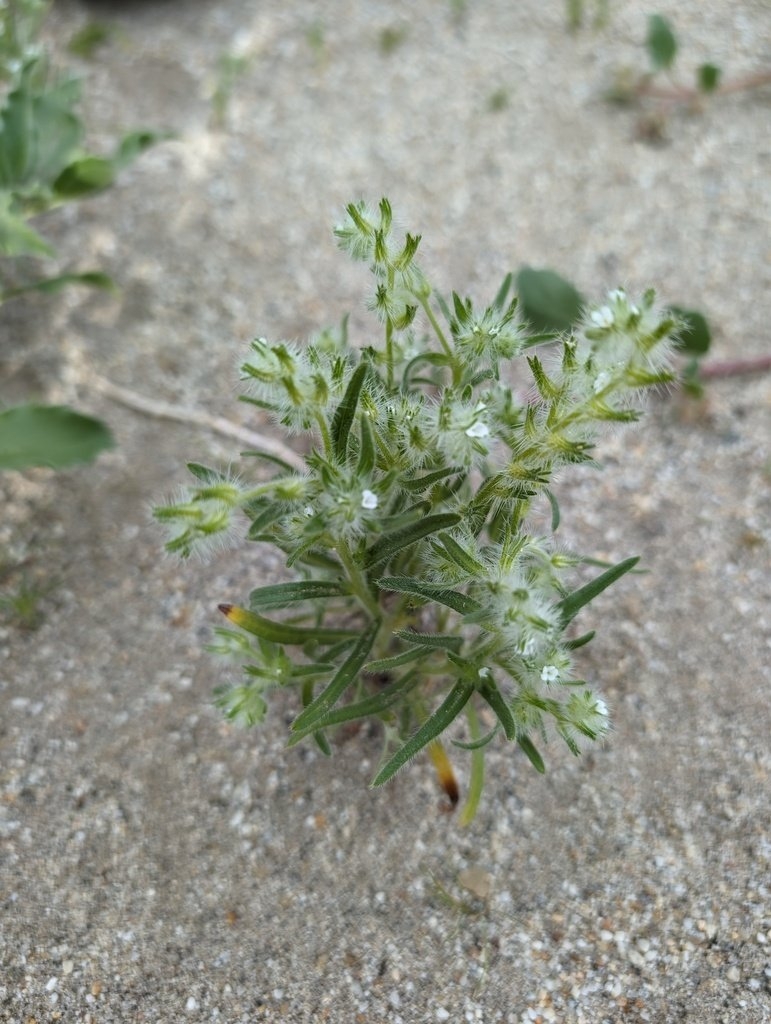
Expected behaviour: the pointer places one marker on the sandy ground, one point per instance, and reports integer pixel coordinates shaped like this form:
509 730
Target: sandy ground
159 866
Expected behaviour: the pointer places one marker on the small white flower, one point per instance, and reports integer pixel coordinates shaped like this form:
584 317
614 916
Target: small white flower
478 429
617 295
484 672
601 381
603 317
550 674
308 511
369 499
601 707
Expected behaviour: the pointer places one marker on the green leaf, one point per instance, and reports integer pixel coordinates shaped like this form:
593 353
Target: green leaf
281 594
391 543
49 435
395 661
420 483
444 715
547 300
708 77
661 42
555 510
281 632
479 743
377 704
570 606
495 699
580 641
39 133
50 285
432 592
343 418
17 238
343 678
531 753
695 336
366 461
436 641
458 555
83 177
499 302
133 145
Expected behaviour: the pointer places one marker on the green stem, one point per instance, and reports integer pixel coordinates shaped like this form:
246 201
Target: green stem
357 579
477 779
437 327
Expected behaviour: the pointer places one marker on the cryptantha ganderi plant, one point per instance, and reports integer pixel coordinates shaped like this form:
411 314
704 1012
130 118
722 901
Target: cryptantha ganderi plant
423 590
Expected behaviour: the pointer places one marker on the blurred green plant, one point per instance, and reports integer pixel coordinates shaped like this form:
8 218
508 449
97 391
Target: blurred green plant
662 48
576 10
428 584
43 165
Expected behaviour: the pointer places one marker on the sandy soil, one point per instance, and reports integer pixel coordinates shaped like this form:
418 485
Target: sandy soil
159 866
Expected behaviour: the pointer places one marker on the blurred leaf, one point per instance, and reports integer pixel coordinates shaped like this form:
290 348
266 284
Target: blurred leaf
695 337
39 133
83 177
40 435
547 300
708 77
49 285
661 42
17 238
88 39
133 145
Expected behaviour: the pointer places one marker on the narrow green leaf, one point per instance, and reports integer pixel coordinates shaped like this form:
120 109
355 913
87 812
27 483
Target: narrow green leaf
432 592
390 543
279 595
49 435
343 678
375 705
436 641
555 510
343 418
497 702
322 743
433 727
548 301
661 42
281 632
478 743
499 302
461 557
420 483
570 606
388 664
580 641
531 753
366 461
